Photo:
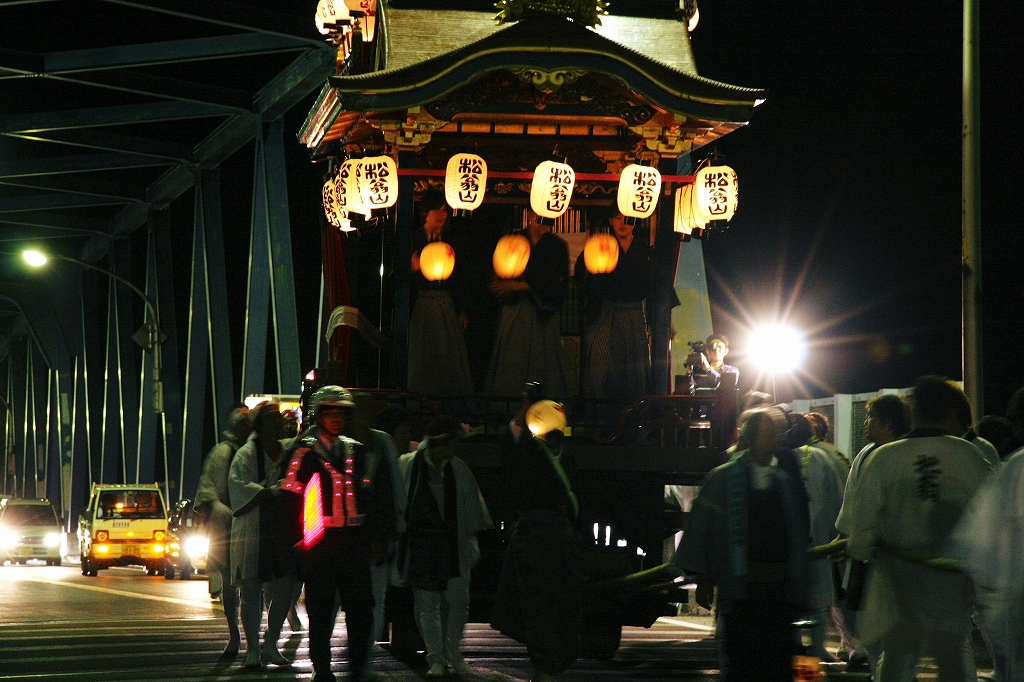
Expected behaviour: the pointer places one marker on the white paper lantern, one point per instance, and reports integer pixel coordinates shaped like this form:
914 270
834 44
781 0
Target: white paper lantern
465 181
377 179
329 13
639 188
330 208
552 189
717 192
688 216
348 178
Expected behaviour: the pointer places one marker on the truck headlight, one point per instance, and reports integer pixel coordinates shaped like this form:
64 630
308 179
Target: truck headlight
197 545
8 538
52 540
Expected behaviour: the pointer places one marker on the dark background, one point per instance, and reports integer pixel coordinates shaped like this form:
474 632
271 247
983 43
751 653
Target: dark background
849 221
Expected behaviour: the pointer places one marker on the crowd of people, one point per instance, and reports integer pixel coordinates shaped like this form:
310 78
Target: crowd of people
903 550
335 510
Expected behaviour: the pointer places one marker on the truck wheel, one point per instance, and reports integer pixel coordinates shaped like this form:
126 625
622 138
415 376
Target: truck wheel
152 570
186 571
600 640
88 567
169 573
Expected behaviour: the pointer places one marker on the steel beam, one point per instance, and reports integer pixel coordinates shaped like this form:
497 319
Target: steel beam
306 73
254 350
122 114
246 17
85 185
197 358
169 52
286 324
49 202
221 372
112 142
147 418
79 163
172 416
127 80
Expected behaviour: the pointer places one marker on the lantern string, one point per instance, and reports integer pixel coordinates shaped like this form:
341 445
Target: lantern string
510 175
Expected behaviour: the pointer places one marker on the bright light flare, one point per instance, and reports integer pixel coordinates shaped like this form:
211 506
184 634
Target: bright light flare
777 349
36 259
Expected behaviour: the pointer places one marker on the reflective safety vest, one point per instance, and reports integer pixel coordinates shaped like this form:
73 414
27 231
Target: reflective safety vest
344 508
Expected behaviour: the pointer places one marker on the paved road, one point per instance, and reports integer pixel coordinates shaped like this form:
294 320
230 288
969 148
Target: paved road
56 624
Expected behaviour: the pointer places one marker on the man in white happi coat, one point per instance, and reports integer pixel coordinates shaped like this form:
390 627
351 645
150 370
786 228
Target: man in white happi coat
909 496
212 497
444 511
988 544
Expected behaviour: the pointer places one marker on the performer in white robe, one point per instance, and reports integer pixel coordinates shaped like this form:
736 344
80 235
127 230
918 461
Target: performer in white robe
988 543
908 498
439 551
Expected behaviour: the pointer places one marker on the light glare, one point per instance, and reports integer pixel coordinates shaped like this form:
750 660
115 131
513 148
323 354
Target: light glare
35 258
777 349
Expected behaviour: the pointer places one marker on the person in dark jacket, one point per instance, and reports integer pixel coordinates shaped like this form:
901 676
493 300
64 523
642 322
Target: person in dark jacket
340 518
539 598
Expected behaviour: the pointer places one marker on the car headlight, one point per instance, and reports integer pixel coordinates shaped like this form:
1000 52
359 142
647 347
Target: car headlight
197 545
8 538
52 540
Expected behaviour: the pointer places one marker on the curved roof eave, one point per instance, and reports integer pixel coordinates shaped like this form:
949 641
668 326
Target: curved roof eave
549 44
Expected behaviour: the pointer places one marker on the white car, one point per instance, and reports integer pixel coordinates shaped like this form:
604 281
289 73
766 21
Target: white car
29 529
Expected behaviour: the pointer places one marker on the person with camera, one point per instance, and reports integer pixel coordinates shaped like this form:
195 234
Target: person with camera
706 363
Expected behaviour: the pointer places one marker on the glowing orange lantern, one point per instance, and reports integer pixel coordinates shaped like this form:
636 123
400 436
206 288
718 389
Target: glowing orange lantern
639 187
552 189
437 260
511 256
545 416
601 253
716 192
465 180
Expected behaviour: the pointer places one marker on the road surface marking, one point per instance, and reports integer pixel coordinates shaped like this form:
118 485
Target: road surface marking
125 593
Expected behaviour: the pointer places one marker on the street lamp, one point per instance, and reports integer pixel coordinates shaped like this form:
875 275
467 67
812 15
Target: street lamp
149 336
777 349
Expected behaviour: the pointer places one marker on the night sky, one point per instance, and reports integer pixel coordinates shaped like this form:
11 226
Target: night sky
849 219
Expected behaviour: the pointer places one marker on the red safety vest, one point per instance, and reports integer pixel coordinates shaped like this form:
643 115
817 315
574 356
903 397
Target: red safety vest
344 507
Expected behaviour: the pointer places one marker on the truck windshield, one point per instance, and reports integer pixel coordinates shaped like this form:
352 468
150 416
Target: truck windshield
29 515
130 504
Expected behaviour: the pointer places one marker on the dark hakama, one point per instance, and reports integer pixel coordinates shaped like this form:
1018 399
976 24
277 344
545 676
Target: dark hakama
617 355
529 340
438 362
539 597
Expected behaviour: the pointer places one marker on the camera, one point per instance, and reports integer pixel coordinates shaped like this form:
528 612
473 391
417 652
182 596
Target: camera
693 360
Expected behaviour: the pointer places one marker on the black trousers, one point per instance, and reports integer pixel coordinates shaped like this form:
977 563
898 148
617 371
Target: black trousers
338 567
759 641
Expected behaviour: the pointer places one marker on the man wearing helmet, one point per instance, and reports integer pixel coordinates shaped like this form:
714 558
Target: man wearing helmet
340 518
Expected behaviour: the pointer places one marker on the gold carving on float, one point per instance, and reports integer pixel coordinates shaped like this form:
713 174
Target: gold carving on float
548 81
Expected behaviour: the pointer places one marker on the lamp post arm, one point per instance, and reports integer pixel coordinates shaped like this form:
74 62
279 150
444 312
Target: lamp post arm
131 285
154 331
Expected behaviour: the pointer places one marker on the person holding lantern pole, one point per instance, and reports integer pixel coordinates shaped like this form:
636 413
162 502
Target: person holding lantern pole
438 362
528 346
539 597
340 516
617 351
